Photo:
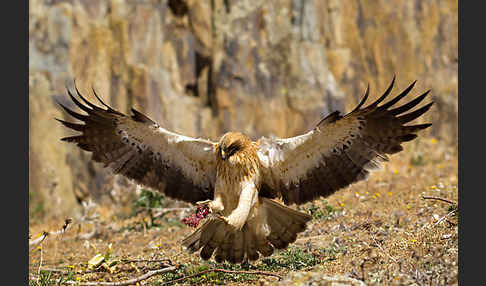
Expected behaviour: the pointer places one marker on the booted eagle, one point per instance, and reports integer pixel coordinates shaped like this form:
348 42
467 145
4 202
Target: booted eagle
241 180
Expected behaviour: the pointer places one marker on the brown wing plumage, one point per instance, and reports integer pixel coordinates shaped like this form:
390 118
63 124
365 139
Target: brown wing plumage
182 167
339 151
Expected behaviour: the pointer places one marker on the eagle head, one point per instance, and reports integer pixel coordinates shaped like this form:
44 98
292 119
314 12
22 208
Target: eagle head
232 143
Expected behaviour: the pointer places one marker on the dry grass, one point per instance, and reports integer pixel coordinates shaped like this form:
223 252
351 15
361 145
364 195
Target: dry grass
380 231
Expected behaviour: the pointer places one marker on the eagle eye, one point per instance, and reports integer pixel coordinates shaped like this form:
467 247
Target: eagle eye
232 149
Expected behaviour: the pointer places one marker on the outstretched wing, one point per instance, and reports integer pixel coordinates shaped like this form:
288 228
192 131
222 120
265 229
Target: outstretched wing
182 167
339 151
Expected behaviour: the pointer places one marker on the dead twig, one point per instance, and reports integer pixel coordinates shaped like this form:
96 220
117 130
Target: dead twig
38 240
126 282
144 260
41 259
57 270
383 250
224 271
451 224
44 234
439 199
444 218
164 210
67 222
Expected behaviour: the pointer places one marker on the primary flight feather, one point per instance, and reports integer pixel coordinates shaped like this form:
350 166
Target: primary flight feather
242 180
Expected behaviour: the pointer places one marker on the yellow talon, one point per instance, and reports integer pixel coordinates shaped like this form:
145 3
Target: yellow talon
223 218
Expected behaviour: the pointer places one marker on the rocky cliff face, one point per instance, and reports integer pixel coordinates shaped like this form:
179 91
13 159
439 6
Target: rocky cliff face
203 67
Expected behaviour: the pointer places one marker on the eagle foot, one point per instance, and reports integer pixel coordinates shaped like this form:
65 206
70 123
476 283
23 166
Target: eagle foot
230 222
215 206
223 218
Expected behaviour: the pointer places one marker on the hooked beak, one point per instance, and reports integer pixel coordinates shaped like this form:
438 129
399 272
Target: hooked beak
223 154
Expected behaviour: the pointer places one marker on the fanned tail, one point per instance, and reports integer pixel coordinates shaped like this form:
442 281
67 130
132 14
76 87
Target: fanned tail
272 225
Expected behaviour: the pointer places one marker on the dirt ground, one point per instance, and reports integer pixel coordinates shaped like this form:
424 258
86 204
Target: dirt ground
381 231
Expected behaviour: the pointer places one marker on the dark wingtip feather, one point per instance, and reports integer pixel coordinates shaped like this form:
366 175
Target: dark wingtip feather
398 97
82 98
409 105
412 115
407 137
74 126
424 126
99 99
72 113
415 128
111 110
387 92
79 104
421 126
72 138
94 107
365 97
140 117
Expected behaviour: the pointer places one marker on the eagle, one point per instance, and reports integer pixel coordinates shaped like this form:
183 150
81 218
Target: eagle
248 185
